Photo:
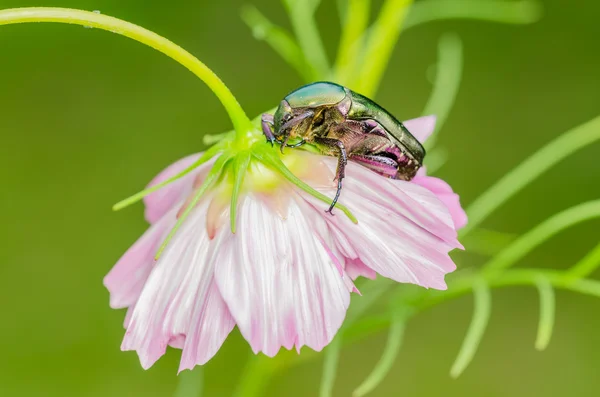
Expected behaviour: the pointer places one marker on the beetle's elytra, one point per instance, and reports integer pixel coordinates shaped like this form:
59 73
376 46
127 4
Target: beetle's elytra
345 124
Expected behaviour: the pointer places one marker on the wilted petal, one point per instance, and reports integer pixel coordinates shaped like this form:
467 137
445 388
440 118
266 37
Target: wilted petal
421 128
279 282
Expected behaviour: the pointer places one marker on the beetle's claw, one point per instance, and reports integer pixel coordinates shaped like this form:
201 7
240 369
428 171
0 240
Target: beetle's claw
330 211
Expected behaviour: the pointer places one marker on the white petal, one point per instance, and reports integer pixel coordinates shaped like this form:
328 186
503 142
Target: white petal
179 299
279 282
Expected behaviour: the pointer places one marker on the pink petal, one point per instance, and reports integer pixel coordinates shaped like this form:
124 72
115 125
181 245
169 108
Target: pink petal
404 232
421 128
355 268
179 304
160 201
279 282
126 279
445 193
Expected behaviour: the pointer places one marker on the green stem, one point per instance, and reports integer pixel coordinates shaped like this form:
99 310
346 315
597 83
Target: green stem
390 352
585 266
355 22
256 375
447 81
481 316
542 232
381 41
515 12
190 383
279 40
517 179
547 309
330 364
240 121
302 16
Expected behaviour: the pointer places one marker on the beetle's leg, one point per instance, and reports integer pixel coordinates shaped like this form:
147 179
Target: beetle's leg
302 142
267 127
337 145
286 128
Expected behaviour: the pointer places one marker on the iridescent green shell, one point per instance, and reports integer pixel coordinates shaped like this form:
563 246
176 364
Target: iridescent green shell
316 95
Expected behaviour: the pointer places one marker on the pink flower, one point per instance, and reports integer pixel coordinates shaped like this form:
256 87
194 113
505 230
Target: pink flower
286 276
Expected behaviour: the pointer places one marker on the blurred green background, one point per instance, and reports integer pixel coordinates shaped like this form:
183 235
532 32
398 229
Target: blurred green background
87 118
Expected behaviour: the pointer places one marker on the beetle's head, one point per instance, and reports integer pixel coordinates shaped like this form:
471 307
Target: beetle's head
283 114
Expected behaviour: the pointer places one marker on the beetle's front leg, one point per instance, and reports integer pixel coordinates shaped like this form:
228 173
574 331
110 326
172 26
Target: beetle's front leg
337 145
286 128
267 127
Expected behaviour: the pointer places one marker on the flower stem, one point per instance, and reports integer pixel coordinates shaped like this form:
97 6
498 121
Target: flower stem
190 383
240 120
354 23
302 16
447 81
527 242
504 11
513 182
379 46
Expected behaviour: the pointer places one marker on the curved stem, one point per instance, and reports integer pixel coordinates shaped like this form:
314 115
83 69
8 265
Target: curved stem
547 309
513 182
585 266
302 16
382 39
355 21
447 81
240 121
330 365
190 383
514 12
524 244
481 316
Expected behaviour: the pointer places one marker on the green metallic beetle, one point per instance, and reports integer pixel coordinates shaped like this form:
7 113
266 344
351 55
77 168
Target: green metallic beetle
345 124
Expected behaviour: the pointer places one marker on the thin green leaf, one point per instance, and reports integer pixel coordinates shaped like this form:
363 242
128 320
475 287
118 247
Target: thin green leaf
385 363
353 28
330 364
210 153
256 375
542 232
240 167
370 293
481 316
435 159
487 242
447 80
279 40
558 149
585 266
342 6
587 287
191 383
211 139
301 13
275 162
367 325
547 309
382 39
515 12
212 175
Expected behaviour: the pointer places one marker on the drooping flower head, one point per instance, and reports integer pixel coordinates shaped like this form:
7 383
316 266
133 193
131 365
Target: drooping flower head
285 276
